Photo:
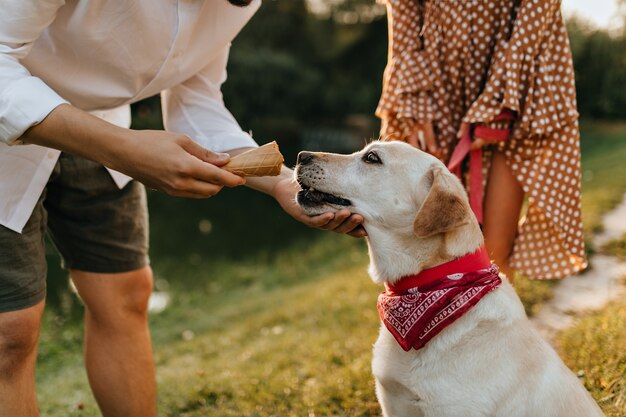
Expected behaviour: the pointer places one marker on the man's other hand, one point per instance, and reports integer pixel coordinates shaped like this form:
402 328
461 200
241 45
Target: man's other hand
341 221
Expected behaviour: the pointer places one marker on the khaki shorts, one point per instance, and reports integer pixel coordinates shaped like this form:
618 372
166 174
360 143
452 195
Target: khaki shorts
95 226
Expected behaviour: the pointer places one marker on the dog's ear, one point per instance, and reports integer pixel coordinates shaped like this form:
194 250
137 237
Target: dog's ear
443 209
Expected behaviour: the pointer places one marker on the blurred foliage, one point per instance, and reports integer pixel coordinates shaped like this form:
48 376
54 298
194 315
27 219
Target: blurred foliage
600 66
291 70
302 64
616 247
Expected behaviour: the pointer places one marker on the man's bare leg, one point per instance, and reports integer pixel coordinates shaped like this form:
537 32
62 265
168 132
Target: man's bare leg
19 332
118 349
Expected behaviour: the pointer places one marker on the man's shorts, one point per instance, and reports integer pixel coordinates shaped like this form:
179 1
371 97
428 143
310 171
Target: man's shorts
95 226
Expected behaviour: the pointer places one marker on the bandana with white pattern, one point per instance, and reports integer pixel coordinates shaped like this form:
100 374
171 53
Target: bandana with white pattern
416 315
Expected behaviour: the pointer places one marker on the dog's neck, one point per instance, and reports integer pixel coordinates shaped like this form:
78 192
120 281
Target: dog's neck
394 257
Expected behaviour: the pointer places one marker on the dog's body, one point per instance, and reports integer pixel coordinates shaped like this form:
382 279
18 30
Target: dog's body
489 362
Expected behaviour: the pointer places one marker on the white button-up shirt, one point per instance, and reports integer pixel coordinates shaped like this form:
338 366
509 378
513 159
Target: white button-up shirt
100 56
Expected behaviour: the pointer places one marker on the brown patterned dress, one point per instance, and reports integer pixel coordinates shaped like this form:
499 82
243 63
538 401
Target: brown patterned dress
454 61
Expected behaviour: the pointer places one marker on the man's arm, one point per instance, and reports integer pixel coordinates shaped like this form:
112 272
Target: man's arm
31 112
196 108
165 161
24 99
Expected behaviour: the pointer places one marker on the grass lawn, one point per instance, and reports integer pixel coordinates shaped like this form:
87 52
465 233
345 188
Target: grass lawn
288 332
616 248
603 148
595 349
296 344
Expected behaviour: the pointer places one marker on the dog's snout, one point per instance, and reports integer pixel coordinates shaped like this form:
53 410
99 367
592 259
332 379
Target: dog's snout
305 158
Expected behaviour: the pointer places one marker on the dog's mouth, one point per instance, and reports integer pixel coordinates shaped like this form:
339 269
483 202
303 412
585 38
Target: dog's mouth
312 197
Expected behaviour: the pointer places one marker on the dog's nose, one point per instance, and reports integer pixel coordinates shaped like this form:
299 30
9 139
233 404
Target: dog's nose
305 158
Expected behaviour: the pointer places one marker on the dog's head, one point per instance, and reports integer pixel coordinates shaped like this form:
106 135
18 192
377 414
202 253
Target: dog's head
407 197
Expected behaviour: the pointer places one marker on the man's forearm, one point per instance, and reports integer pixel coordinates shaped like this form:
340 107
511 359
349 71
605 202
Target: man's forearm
77 132
166 161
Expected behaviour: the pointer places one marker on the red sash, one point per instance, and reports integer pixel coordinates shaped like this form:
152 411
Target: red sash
476 159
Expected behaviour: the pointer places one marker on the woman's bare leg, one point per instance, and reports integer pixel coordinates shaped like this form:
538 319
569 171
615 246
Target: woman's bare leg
503 203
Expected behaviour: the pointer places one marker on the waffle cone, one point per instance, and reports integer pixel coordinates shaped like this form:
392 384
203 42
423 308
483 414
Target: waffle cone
263 161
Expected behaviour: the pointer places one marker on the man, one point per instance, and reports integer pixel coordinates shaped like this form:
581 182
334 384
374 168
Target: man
68 71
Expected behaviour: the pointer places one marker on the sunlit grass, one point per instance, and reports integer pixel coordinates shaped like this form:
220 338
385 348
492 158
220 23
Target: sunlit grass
533 293
295 340
616 248
595 349
603 148
296 352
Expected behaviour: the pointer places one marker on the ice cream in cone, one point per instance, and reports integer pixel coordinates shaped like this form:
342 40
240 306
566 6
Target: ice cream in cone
263 161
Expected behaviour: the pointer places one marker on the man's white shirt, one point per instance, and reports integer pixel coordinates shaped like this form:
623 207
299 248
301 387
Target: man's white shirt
100 56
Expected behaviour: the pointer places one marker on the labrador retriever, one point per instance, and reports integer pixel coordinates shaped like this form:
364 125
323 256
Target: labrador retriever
455 340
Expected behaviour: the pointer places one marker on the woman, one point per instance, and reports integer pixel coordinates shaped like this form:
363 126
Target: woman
495 77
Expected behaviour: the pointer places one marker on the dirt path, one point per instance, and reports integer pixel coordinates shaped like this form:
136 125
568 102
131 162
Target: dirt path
601 283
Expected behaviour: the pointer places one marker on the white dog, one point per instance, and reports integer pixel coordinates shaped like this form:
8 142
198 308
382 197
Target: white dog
486 359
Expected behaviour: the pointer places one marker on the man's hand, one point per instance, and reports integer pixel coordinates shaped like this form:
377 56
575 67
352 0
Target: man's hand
166 161
174 164
342 221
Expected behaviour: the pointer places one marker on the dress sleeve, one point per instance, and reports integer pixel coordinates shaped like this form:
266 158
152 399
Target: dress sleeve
196 108
409 75
531 72
25 100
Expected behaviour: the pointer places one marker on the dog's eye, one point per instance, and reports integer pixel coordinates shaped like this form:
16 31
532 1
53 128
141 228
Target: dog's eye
372 158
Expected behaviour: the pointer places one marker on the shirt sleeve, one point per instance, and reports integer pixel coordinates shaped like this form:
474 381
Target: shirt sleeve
196 108
531 72
24 100
409 76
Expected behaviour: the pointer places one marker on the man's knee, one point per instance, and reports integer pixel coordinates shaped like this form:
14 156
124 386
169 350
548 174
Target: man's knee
137 295
19 332
123 295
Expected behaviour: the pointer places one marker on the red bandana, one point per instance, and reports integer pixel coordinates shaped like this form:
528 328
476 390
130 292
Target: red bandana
416 308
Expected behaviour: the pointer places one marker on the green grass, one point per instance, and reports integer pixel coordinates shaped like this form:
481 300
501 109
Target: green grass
615 248
603 148
595 348
533 293
293 352
280 344
288 330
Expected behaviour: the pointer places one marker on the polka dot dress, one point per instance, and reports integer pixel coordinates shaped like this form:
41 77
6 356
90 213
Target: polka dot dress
465 61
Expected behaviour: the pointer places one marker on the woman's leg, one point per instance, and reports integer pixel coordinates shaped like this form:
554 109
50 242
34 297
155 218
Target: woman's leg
503 203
